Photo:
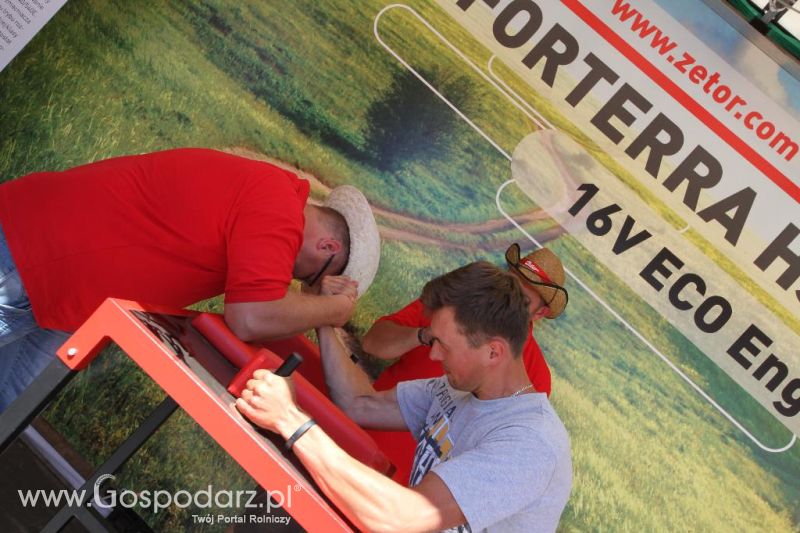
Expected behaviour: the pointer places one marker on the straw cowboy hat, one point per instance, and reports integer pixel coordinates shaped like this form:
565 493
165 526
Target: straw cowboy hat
365 242
543 269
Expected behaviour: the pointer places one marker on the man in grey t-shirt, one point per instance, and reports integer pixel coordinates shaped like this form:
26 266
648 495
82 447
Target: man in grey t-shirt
506 461
492 454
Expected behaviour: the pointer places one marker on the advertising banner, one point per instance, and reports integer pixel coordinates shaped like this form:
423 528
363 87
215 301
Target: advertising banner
702 167
20 20
648 143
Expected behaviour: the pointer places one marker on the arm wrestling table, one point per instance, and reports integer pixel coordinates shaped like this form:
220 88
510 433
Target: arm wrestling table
192 356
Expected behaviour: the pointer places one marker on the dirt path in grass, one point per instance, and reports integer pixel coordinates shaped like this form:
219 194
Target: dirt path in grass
424 232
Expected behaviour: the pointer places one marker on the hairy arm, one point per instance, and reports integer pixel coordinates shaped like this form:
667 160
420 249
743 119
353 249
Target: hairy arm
388 340
370 499
293 314
351 390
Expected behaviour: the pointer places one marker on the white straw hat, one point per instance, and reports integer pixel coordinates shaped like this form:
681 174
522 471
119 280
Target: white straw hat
365 242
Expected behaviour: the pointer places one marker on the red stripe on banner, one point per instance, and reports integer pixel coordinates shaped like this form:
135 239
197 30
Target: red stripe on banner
684 99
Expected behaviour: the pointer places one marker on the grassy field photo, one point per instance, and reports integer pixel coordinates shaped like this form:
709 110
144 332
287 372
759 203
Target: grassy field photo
307 84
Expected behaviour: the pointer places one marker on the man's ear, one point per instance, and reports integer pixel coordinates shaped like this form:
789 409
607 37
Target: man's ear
499 350
542 312
329 245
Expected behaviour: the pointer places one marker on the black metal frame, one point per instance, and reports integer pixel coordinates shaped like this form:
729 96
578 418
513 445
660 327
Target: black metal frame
35 399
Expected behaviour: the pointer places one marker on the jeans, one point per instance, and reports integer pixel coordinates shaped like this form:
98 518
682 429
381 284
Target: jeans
25 348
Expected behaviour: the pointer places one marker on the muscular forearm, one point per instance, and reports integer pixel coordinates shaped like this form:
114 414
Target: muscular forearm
295 313
387 340
371 500
346 381
351 390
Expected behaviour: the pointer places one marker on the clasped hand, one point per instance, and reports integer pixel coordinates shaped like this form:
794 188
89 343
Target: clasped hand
268 400
334 285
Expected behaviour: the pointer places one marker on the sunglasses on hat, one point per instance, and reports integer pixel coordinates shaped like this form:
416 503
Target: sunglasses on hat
528 268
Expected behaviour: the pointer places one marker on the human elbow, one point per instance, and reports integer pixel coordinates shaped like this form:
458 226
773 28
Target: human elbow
379 518
369 345
348 406
372 344
258 321
385 525
391 520
250 323
355 407
240 327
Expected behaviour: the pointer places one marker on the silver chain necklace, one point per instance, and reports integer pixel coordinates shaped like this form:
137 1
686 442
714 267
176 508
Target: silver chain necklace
523 389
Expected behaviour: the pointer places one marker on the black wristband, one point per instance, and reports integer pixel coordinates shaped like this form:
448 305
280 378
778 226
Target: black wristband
299 433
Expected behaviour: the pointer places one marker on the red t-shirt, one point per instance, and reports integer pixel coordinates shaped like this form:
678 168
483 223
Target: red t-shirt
171 228
416 364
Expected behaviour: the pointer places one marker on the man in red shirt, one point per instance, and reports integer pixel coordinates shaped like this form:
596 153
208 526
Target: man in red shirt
405 334
173 228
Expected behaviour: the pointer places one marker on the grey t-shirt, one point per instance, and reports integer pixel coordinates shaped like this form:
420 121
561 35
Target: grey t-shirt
506 461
